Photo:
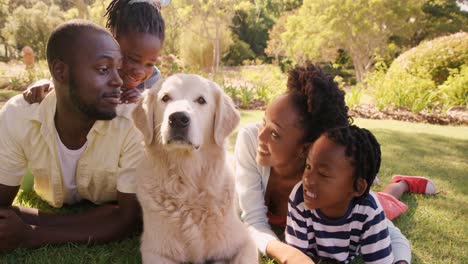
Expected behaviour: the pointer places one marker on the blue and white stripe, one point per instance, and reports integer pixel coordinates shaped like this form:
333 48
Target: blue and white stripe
361 231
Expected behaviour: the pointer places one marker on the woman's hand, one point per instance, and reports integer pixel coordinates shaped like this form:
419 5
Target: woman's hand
287 254
129 96
36 91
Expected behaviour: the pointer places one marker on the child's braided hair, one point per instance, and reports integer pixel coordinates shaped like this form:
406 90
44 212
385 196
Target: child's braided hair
124 16
362 148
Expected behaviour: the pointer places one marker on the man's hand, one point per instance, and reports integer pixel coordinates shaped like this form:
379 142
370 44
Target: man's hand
129 96
36 92
14 232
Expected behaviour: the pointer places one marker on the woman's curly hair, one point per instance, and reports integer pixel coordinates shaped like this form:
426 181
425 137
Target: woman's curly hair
318 100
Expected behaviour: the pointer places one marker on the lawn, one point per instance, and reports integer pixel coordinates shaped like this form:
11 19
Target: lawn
436 226
7 94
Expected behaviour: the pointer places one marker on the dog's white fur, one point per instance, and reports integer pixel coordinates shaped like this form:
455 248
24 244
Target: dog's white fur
186 187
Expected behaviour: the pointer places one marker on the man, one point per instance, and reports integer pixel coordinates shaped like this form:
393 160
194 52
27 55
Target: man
75 144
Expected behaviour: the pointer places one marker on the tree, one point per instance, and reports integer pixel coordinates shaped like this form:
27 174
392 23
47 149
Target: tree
251 26
215 15
32 26
360 27
440 17
3 19
275 46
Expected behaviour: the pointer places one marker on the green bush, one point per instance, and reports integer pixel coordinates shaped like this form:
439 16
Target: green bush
420 78
353 96
238 52
32 26
454 91
268 81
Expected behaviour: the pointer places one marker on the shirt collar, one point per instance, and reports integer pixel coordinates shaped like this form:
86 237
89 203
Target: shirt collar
46 113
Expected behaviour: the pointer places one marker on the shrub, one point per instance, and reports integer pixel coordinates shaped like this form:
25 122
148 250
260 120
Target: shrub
353 96
414 80
268 81
454 91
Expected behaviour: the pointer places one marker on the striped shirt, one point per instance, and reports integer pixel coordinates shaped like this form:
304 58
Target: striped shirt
154 78
361 231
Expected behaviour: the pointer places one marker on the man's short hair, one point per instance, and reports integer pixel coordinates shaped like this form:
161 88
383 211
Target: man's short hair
63 39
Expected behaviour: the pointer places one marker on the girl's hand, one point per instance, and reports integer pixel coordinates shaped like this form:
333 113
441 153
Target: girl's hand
130 96
36 91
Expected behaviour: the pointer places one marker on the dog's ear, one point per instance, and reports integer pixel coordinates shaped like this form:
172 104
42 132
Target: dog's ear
226 116
143 114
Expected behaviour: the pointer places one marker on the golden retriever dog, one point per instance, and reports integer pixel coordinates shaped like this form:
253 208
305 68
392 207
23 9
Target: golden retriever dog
185 185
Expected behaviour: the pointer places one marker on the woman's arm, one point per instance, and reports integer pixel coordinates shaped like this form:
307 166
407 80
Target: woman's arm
250 188
400 245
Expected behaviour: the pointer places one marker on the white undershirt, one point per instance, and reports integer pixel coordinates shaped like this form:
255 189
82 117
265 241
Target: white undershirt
68 161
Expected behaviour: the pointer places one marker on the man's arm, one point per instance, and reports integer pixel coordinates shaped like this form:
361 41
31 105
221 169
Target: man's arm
7 195
102 224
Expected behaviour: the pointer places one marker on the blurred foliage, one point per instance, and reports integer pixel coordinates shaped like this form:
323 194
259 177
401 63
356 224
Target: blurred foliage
420 78
267 82
362 28
32 26
454 91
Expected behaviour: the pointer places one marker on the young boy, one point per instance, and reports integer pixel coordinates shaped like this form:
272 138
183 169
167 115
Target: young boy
331 213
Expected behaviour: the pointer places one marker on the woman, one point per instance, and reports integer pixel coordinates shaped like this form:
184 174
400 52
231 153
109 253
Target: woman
270 159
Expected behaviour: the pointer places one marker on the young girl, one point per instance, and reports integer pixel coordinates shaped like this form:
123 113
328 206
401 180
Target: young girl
270 159
331 213
139 28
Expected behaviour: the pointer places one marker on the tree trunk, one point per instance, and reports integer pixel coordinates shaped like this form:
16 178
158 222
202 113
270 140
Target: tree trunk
216 43
216 50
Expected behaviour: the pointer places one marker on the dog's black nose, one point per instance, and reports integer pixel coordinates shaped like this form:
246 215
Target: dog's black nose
179 120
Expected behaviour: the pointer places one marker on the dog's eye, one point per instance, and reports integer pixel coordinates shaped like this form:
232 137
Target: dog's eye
166 98
201 100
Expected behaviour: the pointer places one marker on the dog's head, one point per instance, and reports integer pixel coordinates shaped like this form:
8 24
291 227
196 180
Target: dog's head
185 111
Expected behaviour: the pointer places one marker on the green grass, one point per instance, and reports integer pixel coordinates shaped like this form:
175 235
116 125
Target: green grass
436 226
7 94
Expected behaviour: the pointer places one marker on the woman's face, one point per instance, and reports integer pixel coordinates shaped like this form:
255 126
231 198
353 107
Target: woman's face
140 53
280 137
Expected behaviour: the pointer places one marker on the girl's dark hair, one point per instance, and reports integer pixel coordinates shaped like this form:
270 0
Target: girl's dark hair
318 100
362 148
124 16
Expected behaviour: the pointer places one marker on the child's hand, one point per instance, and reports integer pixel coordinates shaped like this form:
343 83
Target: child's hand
129 96
36 91
295 256
287 254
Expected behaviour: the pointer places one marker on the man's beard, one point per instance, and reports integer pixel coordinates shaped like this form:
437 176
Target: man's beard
90 110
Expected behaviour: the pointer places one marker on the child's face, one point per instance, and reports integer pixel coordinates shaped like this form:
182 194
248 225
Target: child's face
328 179
140 53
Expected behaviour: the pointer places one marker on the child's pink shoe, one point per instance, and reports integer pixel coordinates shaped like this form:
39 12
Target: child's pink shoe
417 184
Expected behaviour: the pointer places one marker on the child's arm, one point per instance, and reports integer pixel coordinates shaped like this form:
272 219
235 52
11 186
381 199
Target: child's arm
36 91
375 239
296 229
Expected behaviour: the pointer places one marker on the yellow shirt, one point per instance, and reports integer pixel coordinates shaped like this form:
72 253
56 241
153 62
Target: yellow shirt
28 138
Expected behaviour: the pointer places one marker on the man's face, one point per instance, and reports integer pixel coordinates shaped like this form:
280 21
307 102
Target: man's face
94 82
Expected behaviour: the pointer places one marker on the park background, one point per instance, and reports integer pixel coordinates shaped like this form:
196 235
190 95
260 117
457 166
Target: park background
403 60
